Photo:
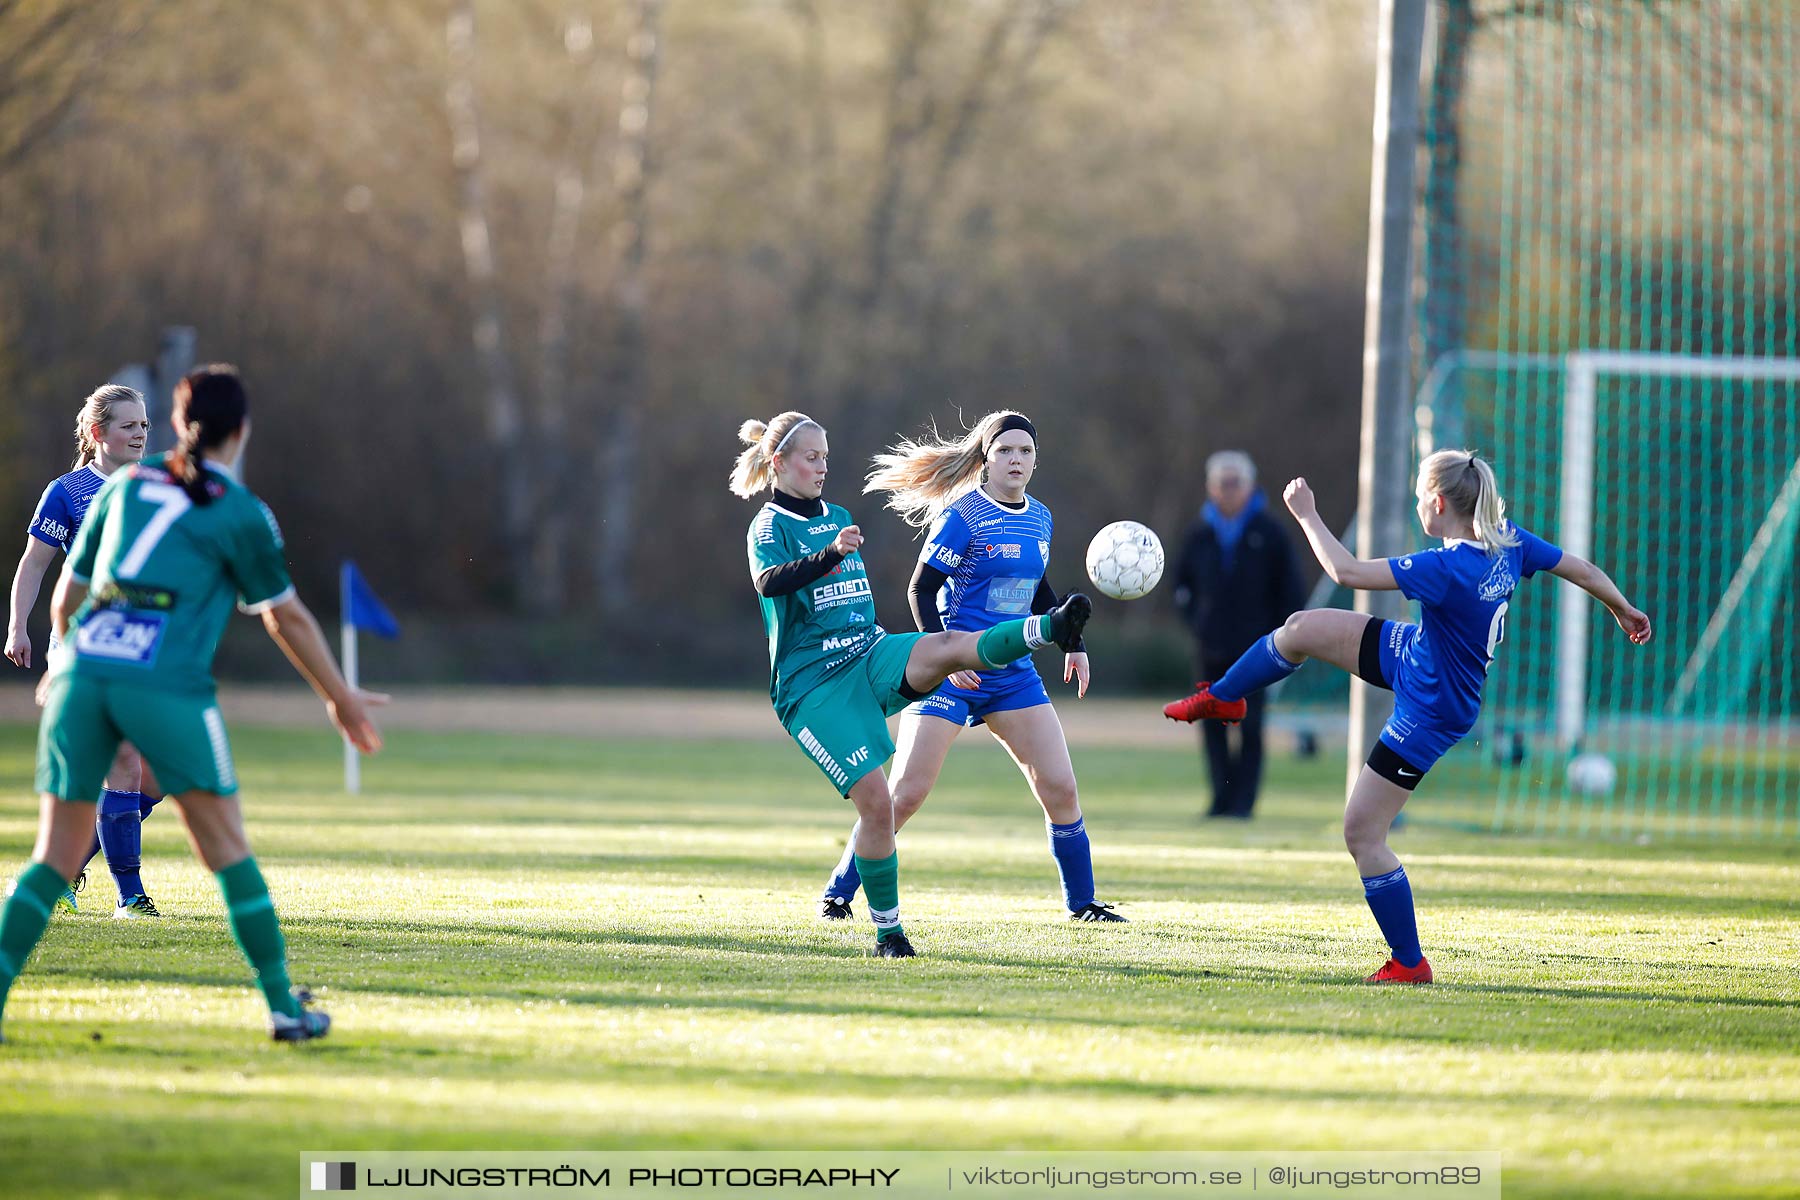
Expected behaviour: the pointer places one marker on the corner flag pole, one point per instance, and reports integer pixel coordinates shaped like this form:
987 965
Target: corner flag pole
352 760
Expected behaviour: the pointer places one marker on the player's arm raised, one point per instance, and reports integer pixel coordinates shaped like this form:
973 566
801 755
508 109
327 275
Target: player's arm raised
1344 568
1598 584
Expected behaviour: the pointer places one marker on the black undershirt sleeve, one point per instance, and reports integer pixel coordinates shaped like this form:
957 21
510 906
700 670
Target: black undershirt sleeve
922 593
790 577
1045 599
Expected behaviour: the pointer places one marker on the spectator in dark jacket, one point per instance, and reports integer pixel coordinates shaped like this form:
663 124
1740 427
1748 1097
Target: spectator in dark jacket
1236 578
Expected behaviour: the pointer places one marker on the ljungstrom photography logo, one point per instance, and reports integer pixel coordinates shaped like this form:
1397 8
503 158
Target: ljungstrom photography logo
334 1177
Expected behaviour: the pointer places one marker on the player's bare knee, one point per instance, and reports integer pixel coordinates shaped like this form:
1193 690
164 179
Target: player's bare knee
909 798
1061 801
1362 839
1293 639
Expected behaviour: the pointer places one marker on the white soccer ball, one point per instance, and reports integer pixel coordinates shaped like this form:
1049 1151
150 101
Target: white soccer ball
1125 560
1592 775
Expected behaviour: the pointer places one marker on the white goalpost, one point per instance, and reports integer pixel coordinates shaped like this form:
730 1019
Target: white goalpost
1574 610
1581 372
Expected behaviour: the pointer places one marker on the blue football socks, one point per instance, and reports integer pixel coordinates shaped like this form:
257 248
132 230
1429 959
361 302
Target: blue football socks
1390 899
1260 666
846 880
121 831
1074 862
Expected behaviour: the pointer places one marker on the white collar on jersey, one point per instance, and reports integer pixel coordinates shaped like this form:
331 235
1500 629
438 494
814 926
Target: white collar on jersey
1453 543
1022 506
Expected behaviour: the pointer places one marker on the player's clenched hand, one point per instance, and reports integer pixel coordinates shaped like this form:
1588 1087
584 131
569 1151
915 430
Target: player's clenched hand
1635 623
18 649
1075 667
351 716
848 539
1299 497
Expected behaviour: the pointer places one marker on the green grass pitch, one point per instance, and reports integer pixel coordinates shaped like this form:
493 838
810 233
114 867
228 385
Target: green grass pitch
545 943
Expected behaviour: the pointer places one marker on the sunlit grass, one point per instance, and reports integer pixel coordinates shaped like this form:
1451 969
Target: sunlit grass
557 943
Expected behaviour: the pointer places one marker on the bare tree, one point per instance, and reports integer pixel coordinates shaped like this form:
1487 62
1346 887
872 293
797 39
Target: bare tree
627 367
50 64
582 147
506 420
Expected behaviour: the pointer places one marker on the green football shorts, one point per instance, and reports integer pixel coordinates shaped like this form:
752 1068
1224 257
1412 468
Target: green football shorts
842 723
181 736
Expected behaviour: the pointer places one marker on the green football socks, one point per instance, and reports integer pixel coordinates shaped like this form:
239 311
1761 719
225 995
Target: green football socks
1010 641
258 933
24 919
881 888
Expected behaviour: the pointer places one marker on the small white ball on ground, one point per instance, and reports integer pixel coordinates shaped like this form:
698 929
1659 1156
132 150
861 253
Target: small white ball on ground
1592 775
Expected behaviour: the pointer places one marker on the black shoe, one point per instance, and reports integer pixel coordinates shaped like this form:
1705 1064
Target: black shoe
1096 912
894 945
1068 619
308 1025
834 908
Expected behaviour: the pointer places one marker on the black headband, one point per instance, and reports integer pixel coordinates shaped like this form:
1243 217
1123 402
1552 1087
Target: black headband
1008 423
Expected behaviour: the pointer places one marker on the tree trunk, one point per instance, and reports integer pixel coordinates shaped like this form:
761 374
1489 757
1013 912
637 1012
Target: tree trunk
627 390
556 466
505 418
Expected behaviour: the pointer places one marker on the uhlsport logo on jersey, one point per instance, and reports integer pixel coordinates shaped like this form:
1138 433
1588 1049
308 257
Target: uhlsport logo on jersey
334 1177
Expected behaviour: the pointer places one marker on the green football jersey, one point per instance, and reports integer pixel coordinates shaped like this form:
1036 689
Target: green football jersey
818 630
163 575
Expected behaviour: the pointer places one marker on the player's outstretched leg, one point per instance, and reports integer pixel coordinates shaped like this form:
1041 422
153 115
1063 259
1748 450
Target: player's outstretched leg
935 655
1330 634
1369 814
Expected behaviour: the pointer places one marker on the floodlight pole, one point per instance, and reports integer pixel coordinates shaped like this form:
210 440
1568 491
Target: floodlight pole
1384 472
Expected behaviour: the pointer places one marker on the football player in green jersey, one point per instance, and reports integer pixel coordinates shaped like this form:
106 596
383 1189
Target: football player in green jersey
835 676
167 547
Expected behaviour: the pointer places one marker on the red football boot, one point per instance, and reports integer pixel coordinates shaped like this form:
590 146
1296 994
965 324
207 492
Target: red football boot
1392 972
1204 706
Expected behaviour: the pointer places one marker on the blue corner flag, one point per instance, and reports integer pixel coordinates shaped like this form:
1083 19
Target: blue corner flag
362 608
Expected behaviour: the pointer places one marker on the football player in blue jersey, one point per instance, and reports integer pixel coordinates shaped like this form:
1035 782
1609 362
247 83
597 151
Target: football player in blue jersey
1435 668
983 563
110 432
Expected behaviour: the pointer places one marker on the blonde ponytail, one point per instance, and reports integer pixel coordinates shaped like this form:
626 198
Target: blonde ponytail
755 467
923 477
1469 488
